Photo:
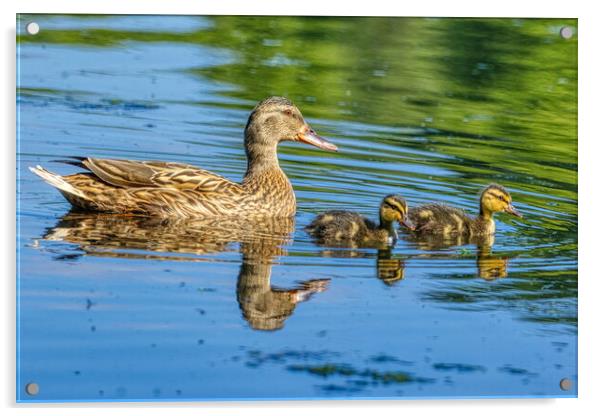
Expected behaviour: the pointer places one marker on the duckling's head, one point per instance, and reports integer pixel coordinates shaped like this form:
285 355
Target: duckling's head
277 119
395 208
494 199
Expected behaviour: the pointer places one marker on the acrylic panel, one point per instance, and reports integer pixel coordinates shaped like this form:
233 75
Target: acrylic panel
135 303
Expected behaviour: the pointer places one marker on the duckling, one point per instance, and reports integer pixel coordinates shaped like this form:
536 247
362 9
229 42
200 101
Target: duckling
446 221
345 228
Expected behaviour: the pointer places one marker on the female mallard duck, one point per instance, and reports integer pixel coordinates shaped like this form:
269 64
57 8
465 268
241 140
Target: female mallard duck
447 221
171 189
346 228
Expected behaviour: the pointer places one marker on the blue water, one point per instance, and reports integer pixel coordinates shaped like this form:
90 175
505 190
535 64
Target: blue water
124 310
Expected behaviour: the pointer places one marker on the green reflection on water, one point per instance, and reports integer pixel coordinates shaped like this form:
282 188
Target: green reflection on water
500 93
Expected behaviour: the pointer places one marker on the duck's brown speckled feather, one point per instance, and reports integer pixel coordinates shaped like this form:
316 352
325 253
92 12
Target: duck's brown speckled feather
157 174
171 191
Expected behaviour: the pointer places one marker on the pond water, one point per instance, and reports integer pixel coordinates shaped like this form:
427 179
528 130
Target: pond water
434 109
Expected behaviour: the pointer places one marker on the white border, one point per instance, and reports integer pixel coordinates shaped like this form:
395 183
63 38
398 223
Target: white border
590 70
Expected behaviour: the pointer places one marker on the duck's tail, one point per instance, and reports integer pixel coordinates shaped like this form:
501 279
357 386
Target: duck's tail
57 181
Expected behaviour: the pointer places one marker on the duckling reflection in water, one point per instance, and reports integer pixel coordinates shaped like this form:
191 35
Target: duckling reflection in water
389 270
489 266
264 307
445 220
349 229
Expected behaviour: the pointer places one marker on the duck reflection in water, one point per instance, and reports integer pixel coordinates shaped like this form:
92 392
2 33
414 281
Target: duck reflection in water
489 266
390 270
261 240
263 306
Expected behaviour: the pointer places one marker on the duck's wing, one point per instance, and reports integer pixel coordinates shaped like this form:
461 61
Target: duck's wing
156 174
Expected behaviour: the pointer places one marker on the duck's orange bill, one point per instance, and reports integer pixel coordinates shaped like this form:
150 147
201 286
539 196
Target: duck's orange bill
513 211
310 137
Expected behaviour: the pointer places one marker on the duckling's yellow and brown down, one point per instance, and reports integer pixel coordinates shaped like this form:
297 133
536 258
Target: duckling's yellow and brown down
346 228
439 219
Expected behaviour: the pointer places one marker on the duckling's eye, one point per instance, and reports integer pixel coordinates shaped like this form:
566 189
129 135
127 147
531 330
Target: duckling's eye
288 112
501 198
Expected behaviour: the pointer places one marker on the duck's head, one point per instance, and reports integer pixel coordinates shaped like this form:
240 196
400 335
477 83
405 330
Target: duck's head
395 208
494 199
277 119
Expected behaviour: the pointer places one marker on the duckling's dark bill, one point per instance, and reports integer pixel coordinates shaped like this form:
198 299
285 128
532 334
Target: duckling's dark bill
513 211
408 224
310 137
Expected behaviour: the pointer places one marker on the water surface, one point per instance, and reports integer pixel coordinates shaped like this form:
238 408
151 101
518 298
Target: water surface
433 109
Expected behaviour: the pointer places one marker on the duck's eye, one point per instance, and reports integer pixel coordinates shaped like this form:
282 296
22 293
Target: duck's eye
501 198
288 112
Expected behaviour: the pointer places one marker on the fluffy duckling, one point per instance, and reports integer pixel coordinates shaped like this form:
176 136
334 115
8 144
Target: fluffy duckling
344 228
446 221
